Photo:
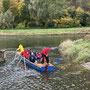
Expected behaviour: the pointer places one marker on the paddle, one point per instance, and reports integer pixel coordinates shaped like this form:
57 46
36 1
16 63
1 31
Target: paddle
25 64
53 48
13 60
16 68
59 60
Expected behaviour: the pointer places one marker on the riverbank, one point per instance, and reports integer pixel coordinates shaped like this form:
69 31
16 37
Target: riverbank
76 51
56 31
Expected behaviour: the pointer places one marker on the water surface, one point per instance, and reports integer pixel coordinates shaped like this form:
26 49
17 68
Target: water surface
64 77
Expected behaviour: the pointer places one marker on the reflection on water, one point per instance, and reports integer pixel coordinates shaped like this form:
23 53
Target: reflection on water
34 41
64 77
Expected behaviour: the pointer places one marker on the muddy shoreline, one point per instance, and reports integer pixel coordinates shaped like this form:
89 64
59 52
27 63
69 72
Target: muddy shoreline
45 34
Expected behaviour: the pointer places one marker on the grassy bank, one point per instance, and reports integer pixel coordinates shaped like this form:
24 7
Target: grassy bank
79 30
77 51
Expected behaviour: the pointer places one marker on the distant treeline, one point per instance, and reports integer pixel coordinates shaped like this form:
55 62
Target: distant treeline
44 13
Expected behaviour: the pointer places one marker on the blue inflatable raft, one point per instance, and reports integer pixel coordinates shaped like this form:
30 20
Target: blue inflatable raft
39 66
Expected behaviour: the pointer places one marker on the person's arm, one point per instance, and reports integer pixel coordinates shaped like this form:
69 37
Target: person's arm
48 49
18 48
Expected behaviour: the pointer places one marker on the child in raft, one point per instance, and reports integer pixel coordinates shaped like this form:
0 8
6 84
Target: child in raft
32 57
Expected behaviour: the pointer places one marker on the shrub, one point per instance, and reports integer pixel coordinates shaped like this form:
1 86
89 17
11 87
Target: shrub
20 25
76 22
64 22
77 51
87 38
66 44
83 17
86 19
71 11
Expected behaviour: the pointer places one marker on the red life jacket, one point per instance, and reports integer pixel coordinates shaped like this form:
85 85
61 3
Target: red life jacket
39 55
45 51
22 53
25 54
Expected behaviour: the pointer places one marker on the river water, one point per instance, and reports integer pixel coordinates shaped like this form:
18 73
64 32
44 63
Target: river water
65 76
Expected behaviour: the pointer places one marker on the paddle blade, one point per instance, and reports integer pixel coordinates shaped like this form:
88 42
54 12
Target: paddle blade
16 68
9 65
58 60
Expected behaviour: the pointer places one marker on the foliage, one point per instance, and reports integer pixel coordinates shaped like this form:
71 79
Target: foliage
43 11
64 22
6 20
1 7
20 25
87 38
20 5
14 7
77 50
48 13
84 4
6 4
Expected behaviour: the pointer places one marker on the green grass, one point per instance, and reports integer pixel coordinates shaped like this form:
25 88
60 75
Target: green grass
41 31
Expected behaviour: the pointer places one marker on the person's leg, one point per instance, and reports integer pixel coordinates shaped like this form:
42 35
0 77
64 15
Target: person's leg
47 59
43 58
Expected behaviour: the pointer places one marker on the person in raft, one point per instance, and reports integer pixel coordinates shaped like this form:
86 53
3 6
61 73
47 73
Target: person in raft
32 57
44 53
20 48
25 54
38 55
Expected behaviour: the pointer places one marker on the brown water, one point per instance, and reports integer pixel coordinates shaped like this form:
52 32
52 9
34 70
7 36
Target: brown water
66 76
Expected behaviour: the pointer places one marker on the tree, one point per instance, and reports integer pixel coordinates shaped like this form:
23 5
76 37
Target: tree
44 11
14 7
1 7
24 15
6 20
84 4
6 5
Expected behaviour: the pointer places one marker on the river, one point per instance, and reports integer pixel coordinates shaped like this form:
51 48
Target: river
64 76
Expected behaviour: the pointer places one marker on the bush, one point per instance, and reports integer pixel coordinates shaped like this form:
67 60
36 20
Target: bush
6 20
71 11
86 19
20 25
83 17
77 51
64 22
87 38
76 23
79 16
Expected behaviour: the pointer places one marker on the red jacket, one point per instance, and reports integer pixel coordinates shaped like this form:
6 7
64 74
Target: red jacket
25 54
45 51
39 55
